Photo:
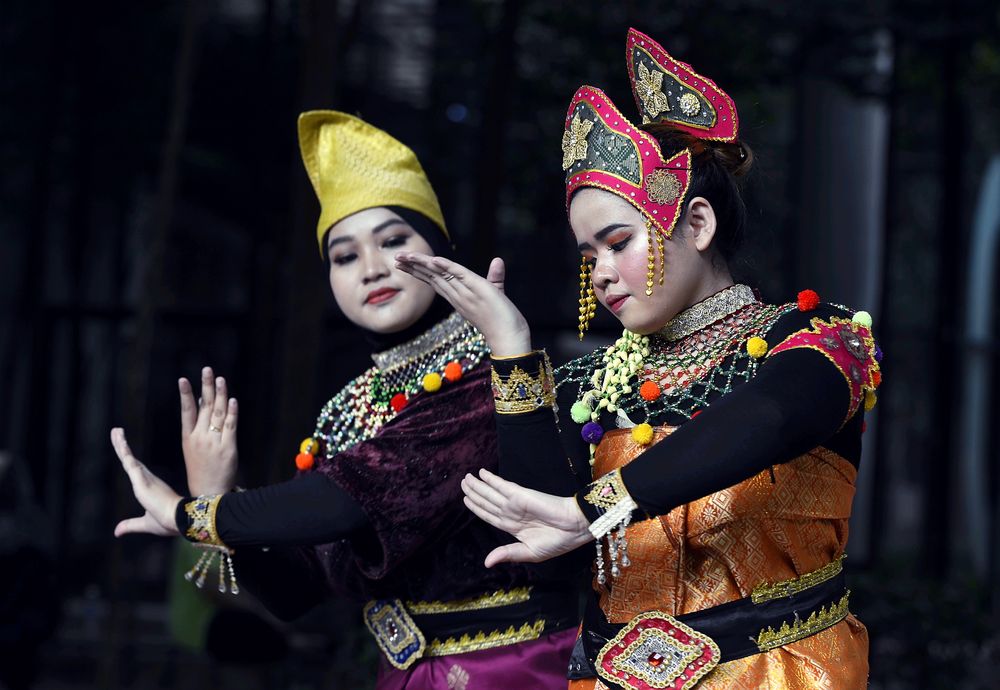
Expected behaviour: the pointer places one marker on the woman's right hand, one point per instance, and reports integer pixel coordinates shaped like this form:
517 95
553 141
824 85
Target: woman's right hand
481 301
153 494
208 436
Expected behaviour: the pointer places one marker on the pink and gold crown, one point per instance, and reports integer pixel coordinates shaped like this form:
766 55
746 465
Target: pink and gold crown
669 91
602 149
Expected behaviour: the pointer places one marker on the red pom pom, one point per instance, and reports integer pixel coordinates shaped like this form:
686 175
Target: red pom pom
453 371
304 461
877 378
808 300
398 402
649 391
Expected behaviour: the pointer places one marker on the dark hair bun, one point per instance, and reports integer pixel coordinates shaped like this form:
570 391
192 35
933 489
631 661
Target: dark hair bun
735 157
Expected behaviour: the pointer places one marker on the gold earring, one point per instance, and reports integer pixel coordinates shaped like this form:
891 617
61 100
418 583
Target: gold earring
588 303
659 248
651 265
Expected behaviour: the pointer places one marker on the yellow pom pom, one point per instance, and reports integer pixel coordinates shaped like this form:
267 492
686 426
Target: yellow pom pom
870 400
310 446
863 318
432 382
642 434
756 347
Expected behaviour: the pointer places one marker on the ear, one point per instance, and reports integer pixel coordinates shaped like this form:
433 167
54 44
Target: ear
702 222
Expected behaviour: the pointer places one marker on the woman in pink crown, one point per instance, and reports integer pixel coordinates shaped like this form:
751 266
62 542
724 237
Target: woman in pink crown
713 448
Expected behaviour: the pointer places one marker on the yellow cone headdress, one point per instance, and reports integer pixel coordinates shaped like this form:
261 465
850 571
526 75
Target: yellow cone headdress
354 166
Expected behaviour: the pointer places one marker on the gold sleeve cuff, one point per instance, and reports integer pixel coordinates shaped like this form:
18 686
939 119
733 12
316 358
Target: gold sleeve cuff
201 517
519 392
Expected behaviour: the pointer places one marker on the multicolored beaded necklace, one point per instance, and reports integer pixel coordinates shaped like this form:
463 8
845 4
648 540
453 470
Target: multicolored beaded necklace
697 357
422 365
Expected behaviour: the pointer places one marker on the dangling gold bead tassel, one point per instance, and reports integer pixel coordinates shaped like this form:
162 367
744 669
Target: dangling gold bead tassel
659 247
651 267
587 301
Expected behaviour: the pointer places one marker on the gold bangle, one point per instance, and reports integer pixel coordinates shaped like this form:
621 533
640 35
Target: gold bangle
520 392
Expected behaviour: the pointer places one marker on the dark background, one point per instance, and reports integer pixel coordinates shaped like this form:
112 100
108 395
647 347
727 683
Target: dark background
155 217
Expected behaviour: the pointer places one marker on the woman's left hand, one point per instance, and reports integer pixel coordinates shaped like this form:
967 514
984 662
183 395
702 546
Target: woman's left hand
153 494
545 526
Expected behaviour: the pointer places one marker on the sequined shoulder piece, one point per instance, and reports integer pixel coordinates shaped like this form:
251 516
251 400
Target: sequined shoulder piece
849 346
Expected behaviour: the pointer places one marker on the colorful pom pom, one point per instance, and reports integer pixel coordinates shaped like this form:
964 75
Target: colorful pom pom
650 391
453 371
309 445
592 432
808 300
580 412
757 347
432 382
304 461
870 400
642 434
878 353
398 402
863 318
877 378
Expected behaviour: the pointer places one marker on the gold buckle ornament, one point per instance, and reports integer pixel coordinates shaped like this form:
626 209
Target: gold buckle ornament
655 650
397 635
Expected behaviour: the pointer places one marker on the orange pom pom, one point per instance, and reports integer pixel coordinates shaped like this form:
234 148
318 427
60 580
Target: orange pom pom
808 300
304 461
649 391
453 371
398 402
877 378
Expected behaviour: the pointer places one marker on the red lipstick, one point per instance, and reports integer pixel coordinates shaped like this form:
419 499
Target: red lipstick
381 295
615 302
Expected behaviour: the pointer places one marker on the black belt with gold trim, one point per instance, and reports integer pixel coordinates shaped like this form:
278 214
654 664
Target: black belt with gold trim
408 631
660 649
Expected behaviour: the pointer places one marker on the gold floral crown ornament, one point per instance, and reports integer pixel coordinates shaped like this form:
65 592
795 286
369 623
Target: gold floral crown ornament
354 166
669 91
603 149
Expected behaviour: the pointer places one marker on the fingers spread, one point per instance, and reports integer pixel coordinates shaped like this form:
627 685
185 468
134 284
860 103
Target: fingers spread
232 416
139 525
510 553
497 273
207 398
218 417
189 410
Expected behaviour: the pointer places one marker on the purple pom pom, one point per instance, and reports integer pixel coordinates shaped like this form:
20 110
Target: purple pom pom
592 432
878 353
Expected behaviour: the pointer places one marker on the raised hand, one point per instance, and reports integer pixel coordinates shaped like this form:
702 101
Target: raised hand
208 435
481 301
545 526
153 494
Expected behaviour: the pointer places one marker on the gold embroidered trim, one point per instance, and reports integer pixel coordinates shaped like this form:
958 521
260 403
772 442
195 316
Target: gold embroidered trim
607 491
767 591
481 640
501 597
769 638
522 392
708 311
201 512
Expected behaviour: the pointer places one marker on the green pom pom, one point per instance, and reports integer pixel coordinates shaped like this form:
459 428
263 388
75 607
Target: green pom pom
580 412
863 318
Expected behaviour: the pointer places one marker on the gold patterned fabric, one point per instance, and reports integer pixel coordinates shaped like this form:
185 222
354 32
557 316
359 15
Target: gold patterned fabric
727 545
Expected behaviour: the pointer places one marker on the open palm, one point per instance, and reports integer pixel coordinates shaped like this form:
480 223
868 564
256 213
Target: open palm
544 525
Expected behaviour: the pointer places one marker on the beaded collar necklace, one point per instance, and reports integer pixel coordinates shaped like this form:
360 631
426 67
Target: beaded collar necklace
438 357
424 344
707 312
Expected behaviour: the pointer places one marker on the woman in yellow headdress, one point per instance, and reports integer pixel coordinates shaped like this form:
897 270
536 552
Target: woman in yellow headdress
714 446
379 487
